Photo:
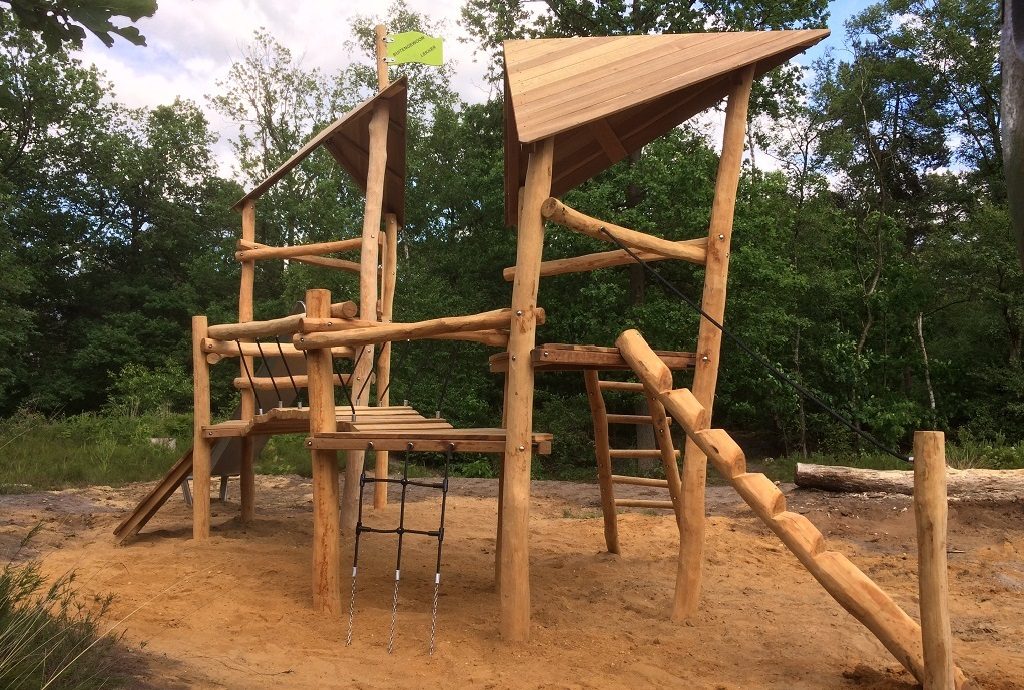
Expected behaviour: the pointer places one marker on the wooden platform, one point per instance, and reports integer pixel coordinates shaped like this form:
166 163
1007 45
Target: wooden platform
437 440
294 420
565 357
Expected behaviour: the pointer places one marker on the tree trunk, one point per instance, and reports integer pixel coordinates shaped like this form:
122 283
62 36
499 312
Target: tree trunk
975 485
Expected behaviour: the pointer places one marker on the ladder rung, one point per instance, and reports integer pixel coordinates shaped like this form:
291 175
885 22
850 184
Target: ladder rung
642 503
621 386
639 481
630 419
620 453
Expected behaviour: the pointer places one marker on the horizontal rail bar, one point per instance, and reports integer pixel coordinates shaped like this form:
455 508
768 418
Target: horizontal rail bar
285 325
338 264
639 481
621 386
268 383
642 503
248 253
385 332
630 419
228 348
697 249
621 453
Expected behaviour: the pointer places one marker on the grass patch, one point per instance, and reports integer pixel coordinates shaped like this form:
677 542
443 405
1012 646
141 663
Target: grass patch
40 453
48 633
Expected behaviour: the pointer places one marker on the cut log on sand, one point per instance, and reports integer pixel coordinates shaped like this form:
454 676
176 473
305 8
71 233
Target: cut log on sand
974 485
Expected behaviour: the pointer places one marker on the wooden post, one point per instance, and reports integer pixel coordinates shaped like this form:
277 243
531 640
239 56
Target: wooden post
200 446
326 525
515 561
368 262
247 477
930 510
602 451
388 278
501 490
709 341
381 49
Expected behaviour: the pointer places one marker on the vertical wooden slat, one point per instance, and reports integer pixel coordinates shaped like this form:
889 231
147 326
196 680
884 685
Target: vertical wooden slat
368 262
709 341
200 446
930 511
515 563
247 477
326 523
602 452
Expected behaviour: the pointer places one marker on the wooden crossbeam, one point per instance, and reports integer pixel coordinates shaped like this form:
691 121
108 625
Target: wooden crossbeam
337 264
610 259
246 252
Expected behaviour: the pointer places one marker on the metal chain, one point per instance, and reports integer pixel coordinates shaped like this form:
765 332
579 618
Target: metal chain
351 610
394 614
433 614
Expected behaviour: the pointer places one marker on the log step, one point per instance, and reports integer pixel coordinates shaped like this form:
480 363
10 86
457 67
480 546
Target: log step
639 481
643 503
638 453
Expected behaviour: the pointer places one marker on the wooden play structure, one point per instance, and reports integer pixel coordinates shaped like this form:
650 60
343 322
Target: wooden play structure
573 108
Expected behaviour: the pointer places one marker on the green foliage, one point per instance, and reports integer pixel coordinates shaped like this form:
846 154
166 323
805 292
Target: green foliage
140 390
61 22
49 632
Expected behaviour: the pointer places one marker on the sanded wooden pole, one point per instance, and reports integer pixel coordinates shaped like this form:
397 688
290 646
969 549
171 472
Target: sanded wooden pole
326 523
388 279
501 490
316 249
515 525
381 49
930 512
200 446
368 260
602 452
555 211
340 334
246 475
669 457
709 343
616 257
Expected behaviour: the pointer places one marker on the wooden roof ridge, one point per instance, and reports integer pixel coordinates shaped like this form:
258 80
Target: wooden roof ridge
601 98
347 138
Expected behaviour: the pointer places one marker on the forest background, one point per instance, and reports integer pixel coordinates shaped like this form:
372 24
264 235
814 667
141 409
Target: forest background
872 260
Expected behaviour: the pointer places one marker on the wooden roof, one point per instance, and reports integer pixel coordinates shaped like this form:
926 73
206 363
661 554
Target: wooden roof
347 140
602 98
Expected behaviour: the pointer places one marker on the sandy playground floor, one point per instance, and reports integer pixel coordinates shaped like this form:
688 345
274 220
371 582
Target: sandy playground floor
235 613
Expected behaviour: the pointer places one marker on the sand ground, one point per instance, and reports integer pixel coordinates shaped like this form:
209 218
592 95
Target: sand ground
235 612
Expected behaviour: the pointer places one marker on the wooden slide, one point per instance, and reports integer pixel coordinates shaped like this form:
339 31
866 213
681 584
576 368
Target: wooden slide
847 584
225 458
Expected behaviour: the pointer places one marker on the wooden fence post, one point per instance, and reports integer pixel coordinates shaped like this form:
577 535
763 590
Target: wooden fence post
200 446
930 510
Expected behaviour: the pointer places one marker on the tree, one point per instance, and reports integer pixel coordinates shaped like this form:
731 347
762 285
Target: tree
60 22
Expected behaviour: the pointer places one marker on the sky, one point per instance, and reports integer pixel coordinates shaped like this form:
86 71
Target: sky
191 44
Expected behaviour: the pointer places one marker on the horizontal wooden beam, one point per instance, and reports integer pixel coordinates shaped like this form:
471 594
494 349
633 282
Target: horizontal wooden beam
284 326
630 419
624 453
639 481
642 503
337 264
696 249
493 337
556 211
248 253
386 332
228 348
268 383
632 386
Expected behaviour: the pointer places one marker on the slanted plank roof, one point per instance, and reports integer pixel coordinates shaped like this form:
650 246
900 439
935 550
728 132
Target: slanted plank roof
603 98
347 139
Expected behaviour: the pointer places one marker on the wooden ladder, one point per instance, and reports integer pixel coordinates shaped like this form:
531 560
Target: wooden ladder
605 454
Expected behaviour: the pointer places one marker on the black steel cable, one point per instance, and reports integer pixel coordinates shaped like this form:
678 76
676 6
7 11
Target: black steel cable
757 357
298 399
248 375
280 400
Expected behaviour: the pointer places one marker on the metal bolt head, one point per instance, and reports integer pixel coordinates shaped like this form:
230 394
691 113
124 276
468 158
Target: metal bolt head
705 358
519 312
522 447
721 236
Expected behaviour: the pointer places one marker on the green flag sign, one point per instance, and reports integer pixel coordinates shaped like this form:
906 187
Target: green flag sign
412 46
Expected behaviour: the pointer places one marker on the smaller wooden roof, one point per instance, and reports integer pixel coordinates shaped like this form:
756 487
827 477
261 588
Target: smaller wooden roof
602 98
347 139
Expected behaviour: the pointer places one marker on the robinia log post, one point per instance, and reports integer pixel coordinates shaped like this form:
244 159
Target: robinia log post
200 446
930 512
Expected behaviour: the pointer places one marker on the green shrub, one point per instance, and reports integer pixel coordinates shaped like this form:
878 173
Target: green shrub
48 633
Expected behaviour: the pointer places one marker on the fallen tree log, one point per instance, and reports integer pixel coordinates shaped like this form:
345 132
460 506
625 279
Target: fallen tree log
974 485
